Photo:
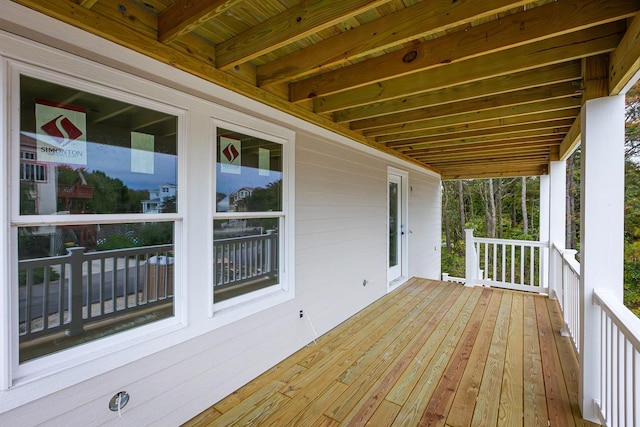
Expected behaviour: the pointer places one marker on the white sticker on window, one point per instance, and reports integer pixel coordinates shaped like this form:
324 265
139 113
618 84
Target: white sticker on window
142 149
230 155
263 161
61 133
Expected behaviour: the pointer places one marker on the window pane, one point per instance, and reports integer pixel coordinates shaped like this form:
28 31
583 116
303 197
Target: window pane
246 256
84 153
78 283
248 173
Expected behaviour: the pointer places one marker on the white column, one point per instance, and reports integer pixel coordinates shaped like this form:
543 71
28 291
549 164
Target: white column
601 229
544 229
557 222
470 259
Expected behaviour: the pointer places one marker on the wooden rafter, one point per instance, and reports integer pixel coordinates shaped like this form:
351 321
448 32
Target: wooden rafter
296 23
544 22
186 15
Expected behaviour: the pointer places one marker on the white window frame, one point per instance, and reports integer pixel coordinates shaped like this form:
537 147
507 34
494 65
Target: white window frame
236 308
15 373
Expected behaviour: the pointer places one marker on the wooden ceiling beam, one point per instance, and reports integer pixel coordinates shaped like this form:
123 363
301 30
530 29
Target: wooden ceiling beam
490 126
300 21
568 47
487 145
542 156
624 62
186 15
538 23
405 25
520 97
556 73
480 116
529 129
484 172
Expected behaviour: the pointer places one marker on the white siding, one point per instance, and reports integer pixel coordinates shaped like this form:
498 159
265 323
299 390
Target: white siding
341 214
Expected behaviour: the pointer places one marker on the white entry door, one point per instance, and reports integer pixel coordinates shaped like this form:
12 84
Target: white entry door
396 227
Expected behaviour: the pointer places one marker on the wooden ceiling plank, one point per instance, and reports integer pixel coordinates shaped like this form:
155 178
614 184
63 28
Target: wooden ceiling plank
556 73
295 23
538 23
555 126
624 62
568 47
486 145
496 125
436 160
186 15
480 116
525 96
486 172
407 24
88 3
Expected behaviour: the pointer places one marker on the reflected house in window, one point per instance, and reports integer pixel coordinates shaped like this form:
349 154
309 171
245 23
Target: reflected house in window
158 197
237 202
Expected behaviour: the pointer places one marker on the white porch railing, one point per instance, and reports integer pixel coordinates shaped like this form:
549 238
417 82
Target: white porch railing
502 263
565 272
619 403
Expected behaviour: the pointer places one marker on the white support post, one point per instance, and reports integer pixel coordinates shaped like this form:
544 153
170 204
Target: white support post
470 259
557 222
545 212
601 231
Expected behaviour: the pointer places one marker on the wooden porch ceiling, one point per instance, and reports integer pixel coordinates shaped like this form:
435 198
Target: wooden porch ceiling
431 353
468 88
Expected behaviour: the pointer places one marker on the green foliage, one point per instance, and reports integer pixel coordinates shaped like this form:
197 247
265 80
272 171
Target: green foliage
156 233
453 260
266 199
116 241
38 276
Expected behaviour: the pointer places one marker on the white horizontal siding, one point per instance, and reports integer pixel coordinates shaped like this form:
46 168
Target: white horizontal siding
341 214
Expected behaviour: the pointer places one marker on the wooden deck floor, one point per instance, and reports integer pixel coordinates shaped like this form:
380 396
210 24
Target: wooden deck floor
430 353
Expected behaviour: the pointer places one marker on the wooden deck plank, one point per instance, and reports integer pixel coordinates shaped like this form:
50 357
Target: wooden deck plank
401 349
416 402
486 411
440 402
558 405
510 413
336 361
568 360
464 401
535 409
384 414
434 350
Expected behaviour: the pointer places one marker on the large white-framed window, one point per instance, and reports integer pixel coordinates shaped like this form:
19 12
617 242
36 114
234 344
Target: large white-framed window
253 219
89 270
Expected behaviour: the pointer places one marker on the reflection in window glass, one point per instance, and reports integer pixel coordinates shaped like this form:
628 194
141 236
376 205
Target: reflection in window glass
69 294
84 153
246 256
248 174
246 248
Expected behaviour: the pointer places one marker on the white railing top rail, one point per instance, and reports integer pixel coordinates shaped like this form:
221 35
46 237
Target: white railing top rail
515 242
627 322
569 255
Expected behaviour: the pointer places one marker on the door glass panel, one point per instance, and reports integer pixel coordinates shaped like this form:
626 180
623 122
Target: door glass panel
393 224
